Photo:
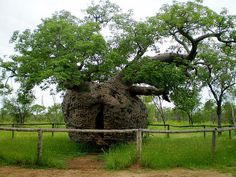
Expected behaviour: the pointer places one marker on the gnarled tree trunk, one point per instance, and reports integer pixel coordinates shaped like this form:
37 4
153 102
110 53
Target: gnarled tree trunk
109 105
113 104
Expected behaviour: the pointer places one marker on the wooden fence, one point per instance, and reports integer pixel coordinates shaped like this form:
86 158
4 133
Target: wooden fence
139 133
165 126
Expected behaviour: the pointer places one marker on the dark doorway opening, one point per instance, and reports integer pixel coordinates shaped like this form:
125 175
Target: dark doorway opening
100 119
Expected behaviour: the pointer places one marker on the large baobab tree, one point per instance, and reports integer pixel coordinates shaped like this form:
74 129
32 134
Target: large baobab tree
102 76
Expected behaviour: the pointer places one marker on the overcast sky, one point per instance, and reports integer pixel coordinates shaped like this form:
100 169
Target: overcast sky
27 14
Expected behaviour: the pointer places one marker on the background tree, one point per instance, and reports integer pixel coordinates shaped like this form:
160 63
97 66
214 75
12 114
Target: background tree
19 108
218 73
151 109
54 113
159 107
229 113
187 101
209 112
38 111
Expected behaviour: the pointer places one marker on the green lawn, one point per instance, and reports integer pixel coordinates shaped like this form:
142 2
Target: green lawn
22 149
178 151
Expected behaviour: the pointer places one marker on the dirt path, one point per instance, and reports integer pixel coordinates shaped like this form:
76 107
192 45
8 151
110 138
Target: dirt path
86 163
91 166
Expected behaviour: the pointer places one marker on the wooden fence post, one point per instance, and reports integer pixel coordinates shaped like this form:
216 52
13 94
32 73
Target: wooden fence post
213 147
39 146
138 145
12 132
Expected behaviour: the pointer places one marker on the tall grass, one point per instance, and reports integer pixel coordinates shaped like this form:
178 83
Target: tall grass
22 149
176 152
120 156
188 152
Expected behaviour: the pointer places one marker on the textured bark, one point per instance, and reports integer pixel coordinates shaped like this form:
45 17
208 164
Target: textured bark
109 105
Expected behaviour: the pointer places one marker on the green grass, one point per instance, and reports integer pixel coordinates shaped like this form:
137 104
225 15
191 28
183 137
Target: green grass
181 150
120 156
187 152
22 149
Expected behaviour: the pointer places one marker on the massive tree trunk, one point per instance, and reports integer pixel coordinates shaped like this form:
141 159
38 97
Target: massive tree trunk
113 104
109 105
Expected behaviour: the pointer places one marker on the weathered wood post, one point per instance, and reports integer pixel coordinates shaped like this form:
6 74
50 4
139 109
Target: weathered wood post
204 126
213 147
12 132
138 145
39 146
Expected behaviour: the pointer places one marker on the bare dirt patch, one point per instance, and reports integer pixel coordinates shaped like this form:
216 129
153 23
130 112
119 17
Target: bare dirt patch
91 166
88 162
22 172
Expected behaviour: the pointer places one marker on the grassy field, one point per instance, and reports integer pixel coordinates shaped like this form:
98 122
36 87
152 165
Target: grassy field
22 149
188 152
182 150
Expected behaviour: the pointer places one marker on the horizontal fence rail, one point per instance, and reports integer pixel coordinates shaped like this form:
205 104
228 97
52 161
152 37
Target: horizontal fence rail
137 131
185 126
19 124
151 124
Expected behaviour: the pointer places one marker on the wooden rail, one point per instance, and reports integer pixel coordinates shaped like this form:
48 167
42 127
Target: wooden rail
154 124
166 126
139 133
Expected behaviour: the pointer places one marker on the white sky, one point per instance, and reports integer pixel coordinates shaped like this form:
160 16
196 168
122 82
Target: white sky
27 14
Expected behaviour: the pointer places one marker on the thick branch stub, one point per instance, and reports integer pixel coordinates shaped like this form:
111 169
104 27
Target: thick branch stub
138 90
170 58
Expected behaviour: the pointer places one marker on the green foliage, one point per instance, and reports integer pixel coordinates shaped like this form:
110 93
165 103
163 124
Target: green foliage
192 18
38 112
217 72
229 112
211 73
103 12
54 113
156 73
69 52
186 100
61 50
18 108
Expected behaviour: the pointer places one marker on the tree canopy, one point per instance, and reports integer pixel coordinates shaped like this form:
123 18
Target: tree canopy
70 51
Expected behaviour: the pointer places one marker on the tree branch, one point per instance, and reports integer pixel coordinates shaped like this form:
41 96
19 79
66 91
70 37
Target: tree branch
200 38
182 43
139 90
170 58
213 92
